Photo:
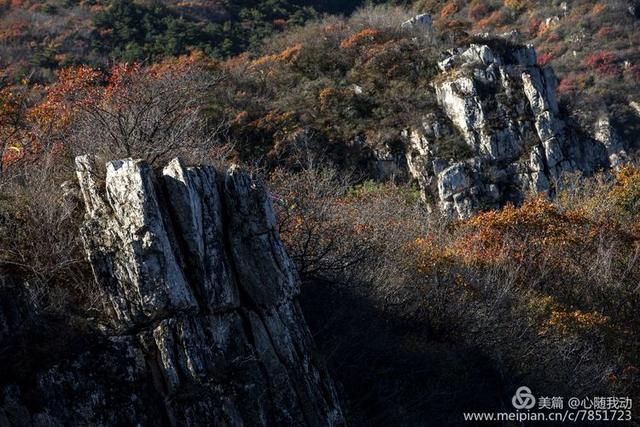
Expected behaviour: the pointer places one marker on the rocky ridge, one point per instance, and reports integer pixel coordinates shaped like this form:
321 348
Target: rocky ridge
201 320
500 107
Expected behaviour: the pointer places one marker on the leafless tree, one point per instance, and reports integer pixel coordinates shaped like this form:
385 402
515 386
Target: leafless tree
153 117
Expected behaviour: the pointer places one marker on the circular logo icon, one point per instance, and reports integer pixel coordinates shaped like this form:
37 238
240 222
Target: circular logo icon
523 399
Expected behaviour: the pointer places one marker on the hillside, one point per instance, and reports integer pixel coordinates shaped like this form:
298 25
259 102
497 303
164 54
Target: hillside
317 213
39 36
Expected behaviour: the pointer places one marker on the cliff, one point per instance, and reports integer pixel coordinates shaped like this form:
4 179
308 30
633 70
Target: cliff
500 107
199 321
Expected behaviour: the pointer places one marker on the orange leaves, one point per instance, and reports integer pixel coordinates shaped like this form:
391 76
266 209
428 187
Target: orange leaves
536 234
450 9
13 126
598 8
286 56
366 36
75 87
627 176
478 10
272 120
536 215
80 88
8 105
329 96
558 319
14 32
537 227
120 76
278 124
83 92
195 59
496 19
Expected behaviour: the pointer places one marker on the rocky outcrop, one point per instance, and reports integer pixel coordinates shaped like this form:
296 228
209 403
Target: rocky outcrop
605 134
498 102
202 324
422 21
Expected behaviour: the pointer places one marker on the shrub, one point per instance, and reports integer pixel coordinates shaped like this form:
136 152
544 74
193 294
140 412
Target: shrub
368 35
478 10
449 9
626 192
544 59
152 113
41 243
542 269
603 63
515 4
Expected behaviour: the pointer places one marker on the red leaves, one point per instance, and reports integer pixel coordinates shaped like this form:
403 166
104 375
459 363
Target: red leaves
544 59
603 63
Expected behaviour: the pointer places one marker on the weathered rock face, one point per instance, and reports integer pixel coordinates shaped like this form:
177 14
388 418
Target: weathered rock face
605 134
423 21
503 107
204 326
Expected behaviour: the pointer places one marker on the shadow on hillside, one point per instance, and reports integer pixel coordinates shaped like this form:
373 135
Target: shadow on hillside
390 371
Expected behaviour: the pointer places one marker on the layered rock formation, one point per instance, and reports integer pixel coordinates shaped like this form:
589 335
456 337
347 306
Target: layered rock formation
203 326
501 105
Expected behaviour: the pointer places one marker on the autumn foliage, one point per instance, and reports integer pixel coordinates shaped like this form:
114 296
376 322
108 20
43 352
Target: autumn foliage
567 264
603 63
367 35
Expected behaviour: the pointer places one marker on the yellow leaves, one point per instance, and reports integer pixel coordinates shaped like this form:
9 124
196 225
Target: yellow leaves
628 175
566 322
15 147
515 4
430 255
12 153
626 192
273 119
278 124
537 236
329 96
555 318
240 118
514 232
194 59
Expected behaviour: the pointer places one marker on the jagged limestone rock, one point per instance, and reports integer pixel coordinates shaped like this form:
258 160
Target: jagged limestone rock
423 20
605 134
200 298
503 107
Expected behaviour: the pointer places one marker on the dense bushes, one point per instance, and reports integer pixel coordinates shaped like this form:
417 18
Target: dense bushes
407 305
39 234
346 86
133 32
544 294
39 36
592 45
